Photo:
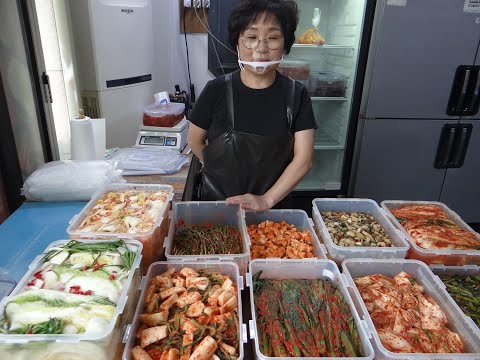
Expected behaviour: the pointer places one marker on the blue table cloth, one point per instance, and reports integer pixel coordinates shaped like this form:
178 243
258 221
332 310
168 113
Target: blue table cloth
29 230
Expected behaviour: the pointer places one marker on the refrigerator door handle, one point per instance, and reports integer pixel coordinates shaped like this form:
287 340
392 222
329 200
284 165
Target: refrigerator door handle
461 145
445 146
472 108
463 92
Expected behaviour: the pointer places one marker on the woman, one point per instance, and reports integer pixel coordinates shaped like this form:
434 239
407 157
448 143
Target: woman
254 129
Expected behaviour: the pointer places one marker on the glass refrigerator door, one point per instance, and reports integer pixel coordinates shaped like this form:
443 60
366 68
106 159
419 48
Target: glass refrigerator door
329 72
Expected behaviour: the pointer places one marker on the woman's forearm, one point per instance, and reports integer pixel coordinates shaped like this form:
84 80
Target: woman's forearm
287 182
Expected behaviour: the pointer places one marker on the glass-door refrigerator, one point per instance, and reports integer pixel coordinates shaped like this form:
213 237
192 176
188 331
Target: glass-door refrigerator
329 57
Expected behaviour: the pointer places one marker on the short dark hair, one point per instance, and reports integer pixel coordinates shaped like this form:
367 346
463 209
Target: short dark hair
285 11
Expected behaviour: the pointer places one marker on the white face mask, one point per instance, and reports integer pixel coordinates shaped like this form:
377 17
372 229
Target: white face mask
259 66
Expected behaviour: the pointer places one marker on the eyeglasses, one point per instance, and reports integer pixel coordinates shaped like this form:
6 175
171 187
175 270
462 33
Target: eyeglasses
272 42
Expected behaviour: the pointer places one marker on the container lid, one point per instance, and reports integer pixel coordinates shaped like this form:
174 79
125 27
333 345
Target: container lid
164 109
327 76
292 63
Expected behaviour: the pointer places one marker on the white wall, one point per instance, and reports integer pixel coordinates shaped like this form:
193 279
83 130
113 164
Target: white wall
170 51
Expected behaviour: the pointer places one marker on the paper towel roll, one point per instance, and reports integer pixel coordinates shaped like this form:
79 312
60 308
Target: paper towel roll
87 139
162 96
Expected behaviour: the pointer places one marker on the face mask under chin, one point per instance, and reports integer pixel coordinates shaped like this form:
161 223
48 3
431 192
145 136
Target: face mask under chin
260 67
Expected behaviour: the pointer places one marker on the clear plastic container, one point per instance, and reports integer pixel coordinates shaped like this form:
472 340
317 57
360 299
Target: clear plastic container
446 257
6 283
340 253
299 218
302 269
465 270
225 268
99 346
163 114
152 240
457 322
294 69
209 212
327 84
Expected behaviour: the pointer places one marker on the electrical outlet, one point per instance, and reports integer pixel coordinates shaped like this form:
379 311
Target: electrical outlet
196 3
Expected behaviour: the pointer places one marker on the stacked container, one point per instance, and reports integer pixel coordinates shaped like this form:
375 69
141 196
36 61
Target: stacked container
340 253
157 268
95 346
457 322
190 213
152 240
302 269
434 256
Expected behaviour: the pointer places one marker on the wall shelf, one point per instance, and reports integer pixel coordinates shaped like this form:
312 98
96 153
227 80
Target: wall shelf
323 141
324 98
322 47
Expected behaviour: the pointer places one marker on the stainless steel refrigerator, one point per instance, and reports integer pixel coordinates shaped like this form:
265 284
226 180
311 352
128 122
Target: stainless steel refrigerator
419 130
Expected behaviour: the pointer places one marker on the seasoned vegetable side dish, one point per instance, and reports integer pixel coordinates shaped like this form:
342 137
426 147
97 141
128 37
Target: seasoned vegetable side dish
304 318
465 290
206 239
74 291
282 240
125 211
431 228
406 319
355 229
189 315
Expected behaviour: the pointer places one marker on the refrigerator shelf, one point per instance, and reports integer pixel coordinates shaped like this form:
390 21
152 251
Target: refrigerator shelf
324 47
323 141
322 98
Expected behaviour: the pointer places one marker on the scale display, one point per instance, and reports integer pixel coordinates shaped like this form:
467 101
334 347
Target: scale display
153 140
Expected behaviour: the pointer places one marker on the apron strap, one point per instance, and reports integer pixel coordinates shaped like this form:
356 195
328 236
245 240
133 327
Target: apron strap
230 109
291 104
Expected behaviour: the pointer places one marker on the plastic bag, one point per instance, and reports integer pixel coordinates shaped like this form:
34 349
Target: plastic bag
70 180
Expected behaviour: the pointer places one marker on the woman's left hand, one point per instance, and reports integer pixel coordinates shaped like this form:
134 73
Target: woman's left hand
250 202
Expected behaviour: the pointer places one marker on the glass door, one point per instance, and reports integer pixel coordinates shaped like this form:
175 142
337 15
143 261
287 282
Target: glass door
326 51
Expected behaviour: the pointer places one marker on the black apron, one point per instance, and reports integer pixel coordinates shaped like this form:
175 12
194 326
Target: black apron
237 163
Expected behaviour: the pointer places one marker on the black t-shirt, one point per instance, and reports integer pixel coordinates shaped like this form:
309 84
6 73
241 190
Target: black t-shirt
257 111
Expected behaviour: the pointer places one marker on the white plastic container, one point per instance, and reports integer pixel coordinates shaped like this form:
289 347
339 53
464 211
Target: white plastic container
152 240
446 257
224 268
340 253
299 218
302 269
209 212
465 270
457 322
98 346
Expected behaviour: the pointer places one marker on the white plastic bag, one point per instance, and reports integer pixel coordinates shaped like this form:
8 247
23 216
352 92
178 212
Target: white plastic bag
70 180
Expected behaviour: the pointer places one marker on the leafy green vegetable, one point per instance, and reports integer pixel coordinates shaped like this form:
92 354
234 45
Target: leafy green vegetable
52 326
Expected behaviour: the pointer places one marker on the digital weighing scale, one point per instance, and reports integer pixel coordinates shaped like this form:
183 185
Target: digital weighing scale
174 138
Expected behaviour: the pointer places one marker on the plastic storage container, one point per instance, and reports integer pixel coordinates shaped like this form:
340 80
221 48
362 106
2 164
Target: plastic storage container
302 269
299 218
457 322
327 84
152 240
7 284
445 257
225 268
209 212
294 69
340 253
99 346
163 114
465 270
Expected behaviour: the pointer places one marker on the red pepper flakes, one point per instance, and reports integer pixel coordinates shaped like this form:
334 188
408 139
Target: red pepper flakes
29 332
88 292
31 283
38 275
